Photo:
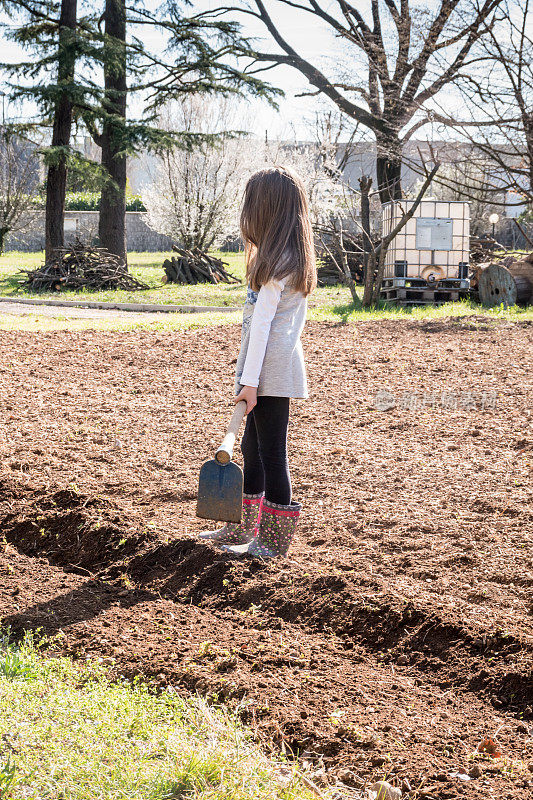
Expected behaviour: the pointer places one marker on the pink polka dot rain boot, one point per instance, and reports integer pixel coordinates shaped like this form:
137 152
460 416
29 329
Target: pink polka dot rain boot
277 526
239 532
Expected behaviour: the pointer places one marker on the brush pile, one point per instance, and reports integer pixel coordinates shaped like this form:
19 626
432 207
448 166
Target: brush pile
328 273
330 256
195 266
482 248
82 266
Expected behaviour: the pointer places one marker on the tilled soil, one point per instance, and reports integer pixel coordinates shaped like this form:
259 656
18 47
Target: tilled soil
396 638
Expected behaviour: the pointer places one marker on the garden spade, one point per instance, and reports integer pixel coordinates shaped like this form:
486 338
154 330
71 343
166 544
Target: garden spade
221 481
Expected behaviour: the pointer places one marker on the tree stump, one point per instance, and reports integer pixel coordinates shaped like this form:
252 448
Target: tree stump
496 286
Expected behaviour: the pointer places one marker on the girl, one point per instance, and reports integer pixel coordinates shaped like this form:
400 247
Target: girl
281 272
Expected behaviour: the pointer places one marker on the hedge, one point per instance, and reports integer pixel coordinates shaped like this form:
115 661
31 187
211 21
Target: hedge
90 201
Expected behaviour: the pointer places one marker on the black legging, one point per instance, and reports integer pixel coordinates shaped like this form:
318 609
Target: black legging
264 447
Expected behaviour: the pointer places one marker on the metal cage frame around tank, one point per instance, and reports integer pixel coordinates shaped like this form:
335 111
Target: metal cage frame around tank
407 265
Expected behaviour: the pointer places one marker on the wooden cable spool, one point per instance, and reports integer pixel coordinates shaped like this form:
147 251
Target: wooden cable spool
497 286
524 290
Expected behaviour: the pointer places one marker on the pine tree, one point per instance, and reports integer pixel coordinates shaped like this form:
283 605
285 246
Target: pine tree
112 223
197 60
70 52
49 29
56 183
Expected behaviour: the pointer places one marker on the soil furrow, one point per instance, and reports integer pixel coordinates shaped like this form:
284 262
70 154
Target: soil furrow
398 635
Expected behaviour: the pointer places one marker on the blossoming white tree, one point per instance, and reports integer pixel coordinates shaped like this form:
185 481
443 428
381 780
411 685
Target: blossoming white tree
196 192
19 181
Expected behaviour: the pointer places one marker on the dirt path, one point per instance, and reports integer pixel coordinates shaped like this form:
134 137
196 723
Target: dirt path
400 633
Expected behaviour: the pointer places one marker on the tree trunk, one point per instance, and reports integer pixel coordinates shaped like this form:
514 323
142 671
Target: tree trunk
378 280
369 279
529 148
4 233
365 183
56 181
389 168
112 222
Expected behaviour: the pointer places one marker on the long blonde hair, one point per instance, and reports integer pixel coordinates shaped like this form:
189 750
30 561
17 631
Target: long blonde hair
277 231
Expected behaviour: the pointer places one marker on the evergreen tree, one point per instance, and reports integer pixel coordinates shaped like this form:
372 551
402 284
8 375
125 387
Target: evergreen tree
112 222
197 59
49 30
79 73
56 183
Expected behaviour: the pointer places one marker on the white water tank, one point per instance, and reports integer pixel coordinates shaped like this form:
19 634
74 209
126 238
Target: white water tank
433 247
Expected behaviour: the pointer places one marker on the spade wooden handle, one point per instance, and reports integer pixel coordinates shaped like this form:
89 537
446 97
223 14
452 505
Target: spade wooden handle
225 452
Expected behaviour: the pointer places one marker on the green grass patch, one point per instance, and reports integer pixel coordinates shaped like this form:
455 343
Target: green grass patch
341 313
348 313
147 268
331 303
68 732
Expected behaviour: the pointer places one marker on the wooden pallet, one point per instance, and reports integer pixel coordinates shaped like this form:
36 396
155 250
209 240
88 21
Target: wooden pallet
420 283
401 283
420 297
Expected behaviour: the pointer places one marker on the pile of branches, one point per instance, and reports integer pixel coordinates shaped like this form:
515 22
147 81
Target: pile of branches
82 266
330 254
482 248
195 266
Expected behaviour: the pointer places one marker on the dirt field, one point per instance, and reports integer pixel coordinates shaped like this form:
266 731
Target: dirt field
399 634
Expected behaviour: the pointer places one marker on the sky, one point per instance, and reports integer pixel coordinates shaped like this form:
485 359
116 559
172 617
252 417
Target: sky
308 35
311 40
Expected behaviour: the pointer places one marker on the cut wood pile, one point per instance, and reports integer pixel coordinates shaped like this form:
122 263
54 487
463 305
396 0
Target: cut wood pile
482 248
328 273
82 266
508 279
330 255
195 266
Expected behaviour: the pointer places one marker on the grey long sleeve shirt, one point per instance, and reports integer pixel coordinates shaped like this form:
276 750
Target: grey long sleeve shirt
271 355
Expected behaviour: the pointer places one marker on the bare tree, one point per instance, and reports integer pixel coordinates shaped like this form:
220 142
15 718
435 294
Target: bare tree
19 182
505 93
374 248
400 57
195 189
336 138
470 177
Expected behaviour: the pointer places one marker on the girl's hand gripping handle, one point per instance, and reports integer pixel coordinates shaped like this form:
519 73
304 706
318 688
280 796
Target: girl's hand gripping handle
225 452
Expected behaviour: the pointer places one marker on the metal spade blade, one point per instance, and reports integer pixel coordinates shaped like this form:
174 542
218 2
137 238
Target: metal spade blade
221 481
